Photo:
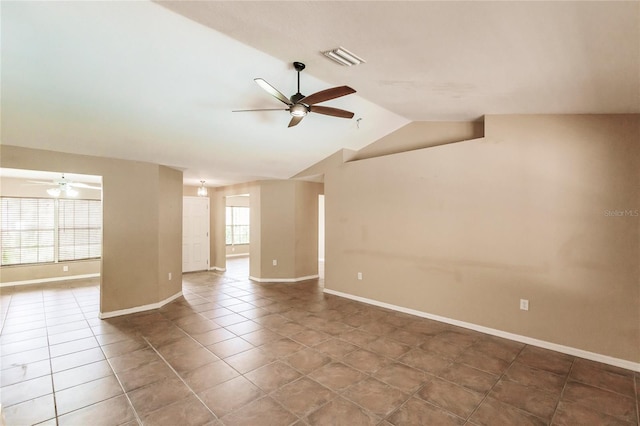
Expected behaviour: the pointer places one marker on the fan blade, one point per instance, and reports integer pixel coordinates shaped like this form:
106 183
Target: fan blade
334 112
82 185
272 91
262 109
295 120
39 182
325 95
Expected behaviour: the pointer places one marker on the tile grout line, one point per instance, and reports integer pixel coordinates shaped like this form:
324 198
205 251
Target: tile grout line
53 387
468 419
135 413
564 387
181 379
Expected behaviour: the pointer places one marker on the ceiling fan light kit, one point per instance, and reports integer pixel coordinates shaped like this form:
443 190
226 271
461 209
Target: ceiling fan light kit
300 105
343 57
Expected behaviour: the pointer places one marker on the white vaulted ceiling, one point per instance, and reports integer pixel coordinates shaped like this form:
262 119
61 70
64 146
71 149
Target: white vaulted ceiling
157 81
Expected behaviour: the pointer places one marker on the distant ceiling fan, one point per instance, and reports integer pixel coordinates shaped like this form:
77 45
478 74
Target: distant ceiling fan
63 186
300 105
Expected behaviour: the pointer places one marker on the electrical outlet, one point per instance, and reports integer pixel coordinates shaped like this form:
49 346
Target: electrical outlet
275 262
65 268
169 276
359 275
524 304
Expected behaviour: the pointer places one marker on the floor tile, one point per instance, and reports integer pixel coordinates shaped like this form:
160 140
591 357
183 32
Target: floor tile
186 412
570 414
388 347
264 411
24 372
453 398
336 348
230 395
545 359
191 360
425 361
79 375
133 359
589 374
76 359
73 346
26 390
469 377
376 396
281 348
157 395
114 411
366 361
144 375
230 347
24 345
307 360
337 376
535 401
339 411
417 412
601 400
537 378
214 336
30 412
401 376
87 394
493 412
272 376
209 375
303 396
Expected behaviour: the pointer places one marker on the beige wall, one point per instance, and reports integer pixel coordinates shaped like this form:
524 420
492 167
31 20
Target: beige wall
131 221
422 134
466 230
170 232
284 227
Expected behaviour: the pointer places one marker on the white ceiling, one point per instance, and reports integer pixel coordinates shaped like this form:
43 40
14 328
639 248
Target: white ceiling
136 80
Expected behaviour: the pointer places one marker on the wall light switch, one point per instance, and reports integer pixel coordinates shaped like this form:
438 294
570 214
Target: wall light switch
275 262
65 268
360 275
169 276
524 304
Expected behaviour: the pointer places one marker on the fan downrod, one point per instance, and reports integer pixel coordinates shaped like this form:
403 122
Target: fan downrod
299 66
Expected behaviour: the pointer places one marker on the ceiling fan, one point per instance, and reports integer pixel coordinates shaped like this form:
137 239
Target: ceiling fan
300 105
63 186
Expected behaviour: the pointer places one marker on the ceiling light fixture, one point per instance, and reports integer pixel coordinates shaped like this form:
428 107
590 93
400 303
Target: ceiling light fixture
202 191
298 110
54 192
343 57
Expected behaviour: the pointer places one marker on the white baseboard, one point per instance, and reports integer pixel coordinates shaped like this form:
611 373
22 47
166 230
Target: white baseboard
605 359
48 280
217 268
283 280
238 255
136 309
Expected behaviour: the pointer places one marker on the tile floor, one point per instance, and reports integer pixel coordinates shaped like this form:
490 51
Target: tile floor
233 352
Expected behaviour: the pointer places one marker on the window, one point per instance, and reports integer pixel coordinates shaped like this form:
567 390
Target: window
237 231
79 229
42 230
27 230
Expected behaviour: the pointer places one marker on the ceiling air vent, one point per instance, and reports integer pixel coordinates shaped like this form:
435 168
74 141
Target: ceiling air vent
343 57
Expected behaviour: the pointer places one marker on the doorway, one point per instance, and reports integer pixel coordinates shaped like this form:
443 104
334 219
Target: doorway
195 234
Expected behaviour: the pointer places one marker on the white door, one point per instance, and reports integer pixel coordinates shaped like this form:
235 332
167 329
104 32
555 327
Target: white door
195 234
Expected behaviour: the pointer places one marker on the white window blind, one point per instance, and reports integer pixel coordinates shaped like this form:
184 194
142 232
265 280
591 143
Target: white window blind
43 230
79 229
237 231
27 230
